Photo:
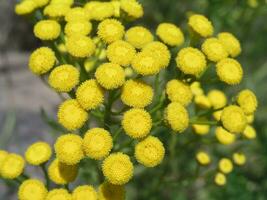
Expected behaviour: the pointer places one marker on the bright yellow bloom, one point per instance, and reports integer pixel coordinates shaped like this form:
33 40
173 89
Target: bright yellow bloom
231 43
38 153
42 60
149 152
225 165
77 14
78 28
58 194
25 7
202 101
12 166
223 136
67 2
32 189
56 10
250 118
137 123
3 156
201 25
249 132
170 34
217 99
41 3
214 49
110 76
203 158
118 168
220 179
99 10
217 115
108 191
84 192
247 100
47 29
239 158
71 115
97 143
229 71
201 129
196 88
132 8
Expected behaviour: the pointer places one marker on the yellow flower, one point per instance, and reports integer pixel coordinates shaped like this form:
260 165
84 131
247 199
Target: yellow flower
56 10
178 91
118 168
110 76
25 7
217 99
78 28
191 61
110 30
149 152
239 158
3 156
42 60
177 117
138 36
121 53
132 8
201 129
229 71
223 136
32 189
12 166
225 165
202 101
250 118
97 143
71 115
58 194
90 95
137 123
108 191
249 132
214 49
62 174
196 88
85 192
47 29
233 119
217 115
67 2
201 25
203 158
99 10
38 153
170 34
77 14
220 179
231 43
64 78
247 100
41 3
136 94
80 46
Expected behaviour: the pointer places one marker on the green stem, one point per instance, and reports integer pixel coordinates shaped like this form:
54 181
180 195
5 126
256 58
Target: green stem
203 122
46 176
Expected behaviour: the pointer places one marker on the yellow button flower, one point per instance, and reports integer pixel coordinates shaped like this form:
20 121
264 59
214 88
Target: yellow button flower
12 166
47 29
78 28
138 36
217 98
3 156
76 14
84 192
67 2
25 7
108 191
58 194
214 49
223 136
170 34
99 10
249 132
220 179
196 88
217 115
247 100
132 8
201 129
202 101
55 10
239 158
203 158
32 189
201 25
38 153
231 43
250 118
225 165
41 3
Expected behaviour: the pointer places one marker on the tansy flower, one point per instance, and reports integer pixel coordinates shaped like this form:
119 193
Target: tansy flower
32 189
178 91
247 100
78 28
38 153
176 117
97 143
110 75
170 34
71 115
230 43
239 158
3 155
64 78
67 2
214 49
220 179
121 53
99 10
149 152
129 72
233 119
191 61
110 30
25 7
249 132
118 168
47 29
41 3
108 191
42 60
132 8
58 194
201 129
84 192
225 165
138 36
217 115
223 136
229 71
201 25
196 88
56 10
116 5
89 94
202 101
12 166
217 99
203 158
137 123
77 14
250 118
136 94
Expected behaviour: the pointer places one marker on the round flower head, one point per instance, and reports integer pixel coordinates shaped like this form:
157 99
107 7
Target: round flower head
80 46
64 78
69 149
62 174
250 118
225 165
138 36
233 119
214 49
170 34
47 29
121 53
58 194
76 14
230 43
78 28
239 158
220 179
3 156
178 91
136 94
201 129
97 143
108 191
99 10
41 3
66 2
42 60
202 101
85 192
32 189
217 99
137 123
223 136
110 30
132 8
247 100
25 7
110 76
38 153
71 115
203 158
249 132
89 94
118 168
149 152
12 166
201 25
229 71
55 10
191 61
217 115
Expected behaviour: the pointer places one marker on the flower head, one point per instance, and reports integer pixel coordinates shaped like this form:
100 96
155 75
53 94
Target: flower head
201 129
202 101
203 158
225 165
249 132
38 153
56 10
78 28
25 7
138 36
12 166
230 43
223 136
76 14
47 29
32 189
84 192
58 194
220 179
214 49
217 99
108 191
99 10
247 100
170 34
132 8
239 158
201 25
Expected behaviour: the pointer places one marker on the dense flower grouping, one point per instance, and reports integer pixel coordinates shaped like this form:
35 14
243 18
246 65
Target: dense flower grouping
129 81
